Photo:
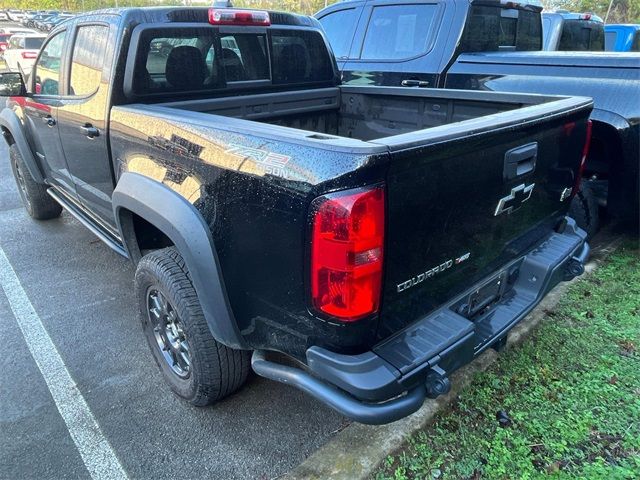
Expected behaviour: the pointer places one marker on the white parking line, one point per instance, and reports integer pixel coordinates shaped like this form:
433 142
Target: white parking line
96 453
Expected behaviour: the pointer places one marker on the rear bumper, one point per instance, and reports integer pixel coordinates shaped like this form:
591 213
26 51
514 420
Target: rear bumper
393 379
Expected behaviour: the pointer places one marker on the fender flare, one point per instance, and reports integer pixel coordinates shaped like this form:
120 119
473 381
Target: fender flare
11 123
179 220
612 119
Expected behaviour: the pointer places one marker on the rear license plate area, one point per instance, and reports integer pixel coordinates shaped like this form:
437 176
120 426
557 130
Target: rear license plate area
480 300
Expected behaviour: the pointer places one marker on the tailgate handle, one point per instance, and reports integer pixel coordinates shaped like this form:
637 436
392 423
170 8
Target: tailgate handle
520 161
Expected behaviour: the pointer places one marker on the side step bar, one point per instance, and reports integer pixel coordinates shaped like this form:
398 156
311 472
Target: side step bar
342 402
75 211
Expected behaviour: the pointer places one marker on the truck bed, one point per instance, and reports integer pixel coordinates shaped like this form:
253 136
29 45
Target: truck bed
448 159
357 116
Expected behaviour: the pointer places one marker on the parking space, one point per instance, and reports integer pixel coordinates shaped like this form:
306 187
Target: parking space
82 293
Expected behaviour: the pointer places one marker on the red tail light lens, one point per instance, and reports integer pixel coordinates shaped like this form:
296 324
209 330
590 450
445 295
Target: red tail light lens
29 55
229 16
346 253
585 154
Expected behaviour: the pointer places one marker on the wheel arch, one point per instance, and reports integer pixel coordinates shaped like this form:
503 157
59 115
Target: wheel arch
606 143
13 133
181 223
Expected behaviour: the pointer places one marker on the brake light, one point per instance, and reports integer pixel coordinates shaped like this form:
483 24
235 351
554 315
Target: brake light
29 55
3 46
346 253
586 16
583 160
228 16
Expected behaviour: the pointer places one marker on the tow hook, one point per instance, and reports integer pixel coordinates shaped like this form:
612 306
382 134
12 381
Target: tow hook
438 382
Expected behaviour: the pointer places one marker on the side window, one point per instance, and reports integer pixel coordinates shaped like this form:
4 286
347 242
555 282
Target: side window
610 40
46 71
89 51
399 32
339 27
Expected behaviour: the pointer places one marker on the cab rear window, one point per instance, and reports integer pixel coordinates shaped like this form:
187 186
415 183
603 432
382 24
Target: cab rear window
490 28
580 35
200 59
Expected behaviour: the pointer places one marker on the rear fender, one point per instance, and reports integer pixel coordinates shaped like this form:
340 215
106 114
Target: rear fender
12 129
179 220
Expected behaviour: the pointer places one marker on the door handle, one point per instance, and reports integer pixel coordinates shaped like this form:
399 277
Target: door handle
414 83
90 131
49 120
520 161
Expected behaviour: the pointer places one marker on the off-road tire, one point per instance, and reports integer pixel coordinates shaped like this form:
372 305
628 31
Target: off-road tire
584 210
215 370
36 201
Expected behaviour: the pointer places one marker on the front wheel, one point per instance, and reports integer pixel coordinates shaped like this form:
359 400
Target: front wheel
36 201
196 367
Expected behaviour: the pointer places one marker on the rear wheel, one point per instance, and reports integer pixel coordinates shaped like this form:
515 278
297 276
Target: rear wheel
584 209
36 201
196 366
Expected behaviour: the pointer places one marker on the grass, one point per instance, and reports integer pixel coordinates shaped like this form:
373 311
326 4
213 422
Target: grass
569 397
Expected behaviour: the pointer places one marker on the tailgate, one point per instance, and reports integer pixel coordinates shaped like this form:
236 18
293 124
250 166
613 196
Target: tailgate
464 199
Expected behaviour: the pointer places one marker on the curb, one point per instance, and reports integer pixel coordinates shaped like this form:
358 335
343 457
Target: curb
358 450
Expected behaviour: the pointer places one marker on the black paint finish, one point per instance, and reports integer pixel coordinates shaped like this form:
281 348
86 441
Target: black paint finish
244 171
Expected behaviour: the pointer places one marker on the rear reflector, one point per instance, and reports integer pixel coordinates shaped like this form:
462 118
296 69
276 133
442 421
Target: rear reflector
29 55
346 253
583 160
229 16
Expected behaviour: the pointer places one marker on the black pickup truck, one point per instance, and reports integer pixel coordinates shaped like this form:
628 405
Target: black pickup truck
378 237
495 45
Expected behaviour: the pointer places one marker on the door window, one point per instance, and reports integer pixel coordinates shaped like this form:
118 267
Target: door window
339 27
46 71
89 54
399 32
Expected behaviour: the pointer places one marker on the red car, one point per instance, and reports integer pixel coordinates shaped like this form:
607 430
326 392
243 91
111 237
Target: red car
4 41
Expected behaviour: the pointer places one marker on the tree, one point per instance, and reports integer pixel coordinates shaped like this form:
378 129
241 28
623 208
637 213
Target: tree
622 11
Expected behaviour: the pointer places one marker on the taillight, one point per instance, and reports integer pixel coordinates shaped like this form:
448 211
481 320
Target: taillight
583 160
29 55
229 16
346 253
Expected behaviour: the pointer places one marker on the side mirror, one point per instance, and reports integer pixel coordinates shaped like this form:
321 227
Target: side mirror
12 85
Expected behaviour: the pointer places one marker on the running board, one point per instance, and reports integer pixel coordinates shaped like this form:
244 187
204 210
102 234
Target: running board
114 243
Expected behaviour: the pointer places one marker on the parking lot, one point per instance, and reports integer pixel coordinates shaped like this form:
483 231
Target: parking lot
82 293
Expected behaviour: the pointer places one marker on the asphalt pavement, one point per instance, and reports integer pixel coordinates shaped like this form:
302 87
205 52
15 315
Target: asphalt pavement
82 294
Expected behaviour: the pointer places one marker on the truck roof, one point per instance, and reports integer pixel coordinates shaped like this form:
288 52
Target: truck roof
534 4
193 15
566 15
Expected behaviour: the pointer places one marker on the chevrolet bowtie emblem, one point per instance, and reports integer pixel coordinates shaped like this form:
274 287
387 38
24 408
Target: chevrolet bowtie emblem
515 199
